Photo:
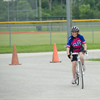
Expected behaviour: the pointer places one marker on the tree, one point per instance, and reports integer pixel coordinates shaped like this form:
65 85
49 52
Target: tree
90 2
3 11
58 11
77 2
62 3
96 14
32 3
98 5
50 4
46 12
45 4
84 11
23 15
81 9
75 11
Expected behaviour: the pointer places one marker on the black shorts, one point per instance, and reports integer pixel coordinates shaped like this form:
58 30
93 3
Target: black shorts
74 58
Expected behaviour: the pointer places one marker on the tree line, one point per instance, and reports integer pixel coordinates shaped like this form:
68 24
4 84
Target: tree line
81 9
26 9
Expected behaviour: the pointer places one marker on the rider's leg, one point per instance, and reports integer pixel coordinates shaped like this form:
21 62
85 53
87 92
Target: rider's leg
74 64
82 58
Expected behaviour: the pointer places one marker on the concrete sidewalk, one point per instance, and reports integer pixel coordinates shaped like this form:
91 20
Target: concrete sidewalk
38 79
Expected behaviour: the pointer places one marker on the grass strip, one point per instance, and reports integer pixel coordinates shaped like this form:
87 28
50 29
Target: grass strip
93 59
41 48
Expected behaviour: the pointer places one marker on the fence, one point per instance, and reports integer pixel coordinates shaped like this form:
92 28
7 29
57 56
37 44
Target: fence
46 32
18 10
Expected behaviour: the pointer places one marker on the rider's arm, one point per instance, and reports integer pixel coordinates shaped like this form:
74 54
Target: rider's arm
68 46
83 42
68 51
85 46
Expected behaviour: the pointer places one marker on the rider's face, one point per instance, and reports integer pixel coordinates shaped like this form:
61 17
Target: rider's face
74 33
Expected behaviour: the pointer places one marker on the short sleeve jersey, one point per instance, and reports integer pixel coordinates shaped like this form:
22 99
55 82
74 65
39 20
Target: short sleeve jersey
76 43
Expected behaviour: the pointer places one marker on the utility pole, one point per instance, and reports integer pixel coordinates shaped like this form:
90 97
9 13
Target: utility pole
69 17
70 14
13 10
9 27
40 12
36 9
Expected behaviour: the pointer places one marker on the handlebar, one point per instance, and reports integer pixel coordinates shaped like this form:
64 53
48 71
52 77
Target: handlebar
77 53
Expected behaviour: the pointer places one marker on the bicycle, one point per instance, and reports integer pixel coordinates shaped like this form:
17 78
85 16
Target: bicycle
79 69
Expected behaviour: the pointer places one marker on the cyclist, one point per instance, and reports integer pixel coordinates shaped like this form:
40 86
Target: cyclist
76 43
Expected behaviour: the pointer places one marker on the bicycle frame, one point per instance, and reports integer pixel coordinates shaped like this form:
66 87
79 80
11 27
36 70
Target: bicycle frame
79 69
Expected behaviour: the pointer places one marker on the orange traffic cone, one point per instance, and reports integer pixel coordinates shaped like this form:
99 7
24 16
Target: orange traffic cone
14 57
55 55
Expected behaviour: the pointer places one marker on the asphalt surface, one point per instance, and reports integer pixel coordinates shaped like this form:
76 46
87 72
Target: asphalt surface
38 79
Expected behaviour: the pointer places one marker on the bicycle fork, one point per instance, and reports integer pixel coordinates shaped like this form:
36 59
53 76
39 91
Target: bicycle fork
78 69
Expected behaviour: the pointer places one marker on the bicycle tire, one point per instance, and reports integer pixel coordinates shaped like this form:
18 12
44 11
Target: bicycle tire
81 74
77 78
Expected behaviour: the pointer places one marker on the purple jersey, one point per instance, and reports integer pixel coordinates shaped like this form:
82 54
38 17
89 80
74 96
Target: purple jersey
76 43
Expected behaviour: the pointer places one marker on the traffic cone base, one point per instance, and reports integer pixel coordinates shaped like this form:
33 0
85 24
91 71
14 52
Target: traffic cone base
55 61
55 58
14 57
14 64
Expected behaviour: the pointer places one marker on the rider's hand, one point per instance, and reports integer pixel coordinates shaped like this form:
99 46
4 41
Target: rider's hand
84 51
71 57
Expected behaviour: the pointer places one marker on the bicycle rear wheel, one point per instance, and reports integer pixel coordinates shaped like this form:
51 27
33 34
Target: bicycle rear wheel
81 74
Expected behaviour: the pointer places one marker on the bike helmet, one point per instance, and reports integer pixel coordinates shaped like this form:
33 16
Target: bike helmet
78 29
74 28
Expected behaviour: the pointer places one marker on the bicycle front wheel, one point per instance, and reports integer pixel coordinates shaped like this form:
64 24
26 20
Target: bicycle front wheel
77 78
81 74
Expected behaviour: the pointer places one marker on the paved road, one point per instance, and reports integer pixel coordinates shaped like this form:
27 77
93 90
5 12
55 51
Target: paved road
37 79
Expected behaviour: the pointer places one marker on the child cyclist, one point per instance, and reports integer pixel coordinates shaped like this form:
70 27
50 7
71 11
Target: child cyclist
76 43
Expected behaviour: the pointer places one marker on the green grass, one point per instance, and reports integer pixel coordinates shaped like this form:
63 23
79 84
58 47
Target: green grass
93 59
93 46
44 38
18 29
41 48
40 42
33 39
45 28
31 48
